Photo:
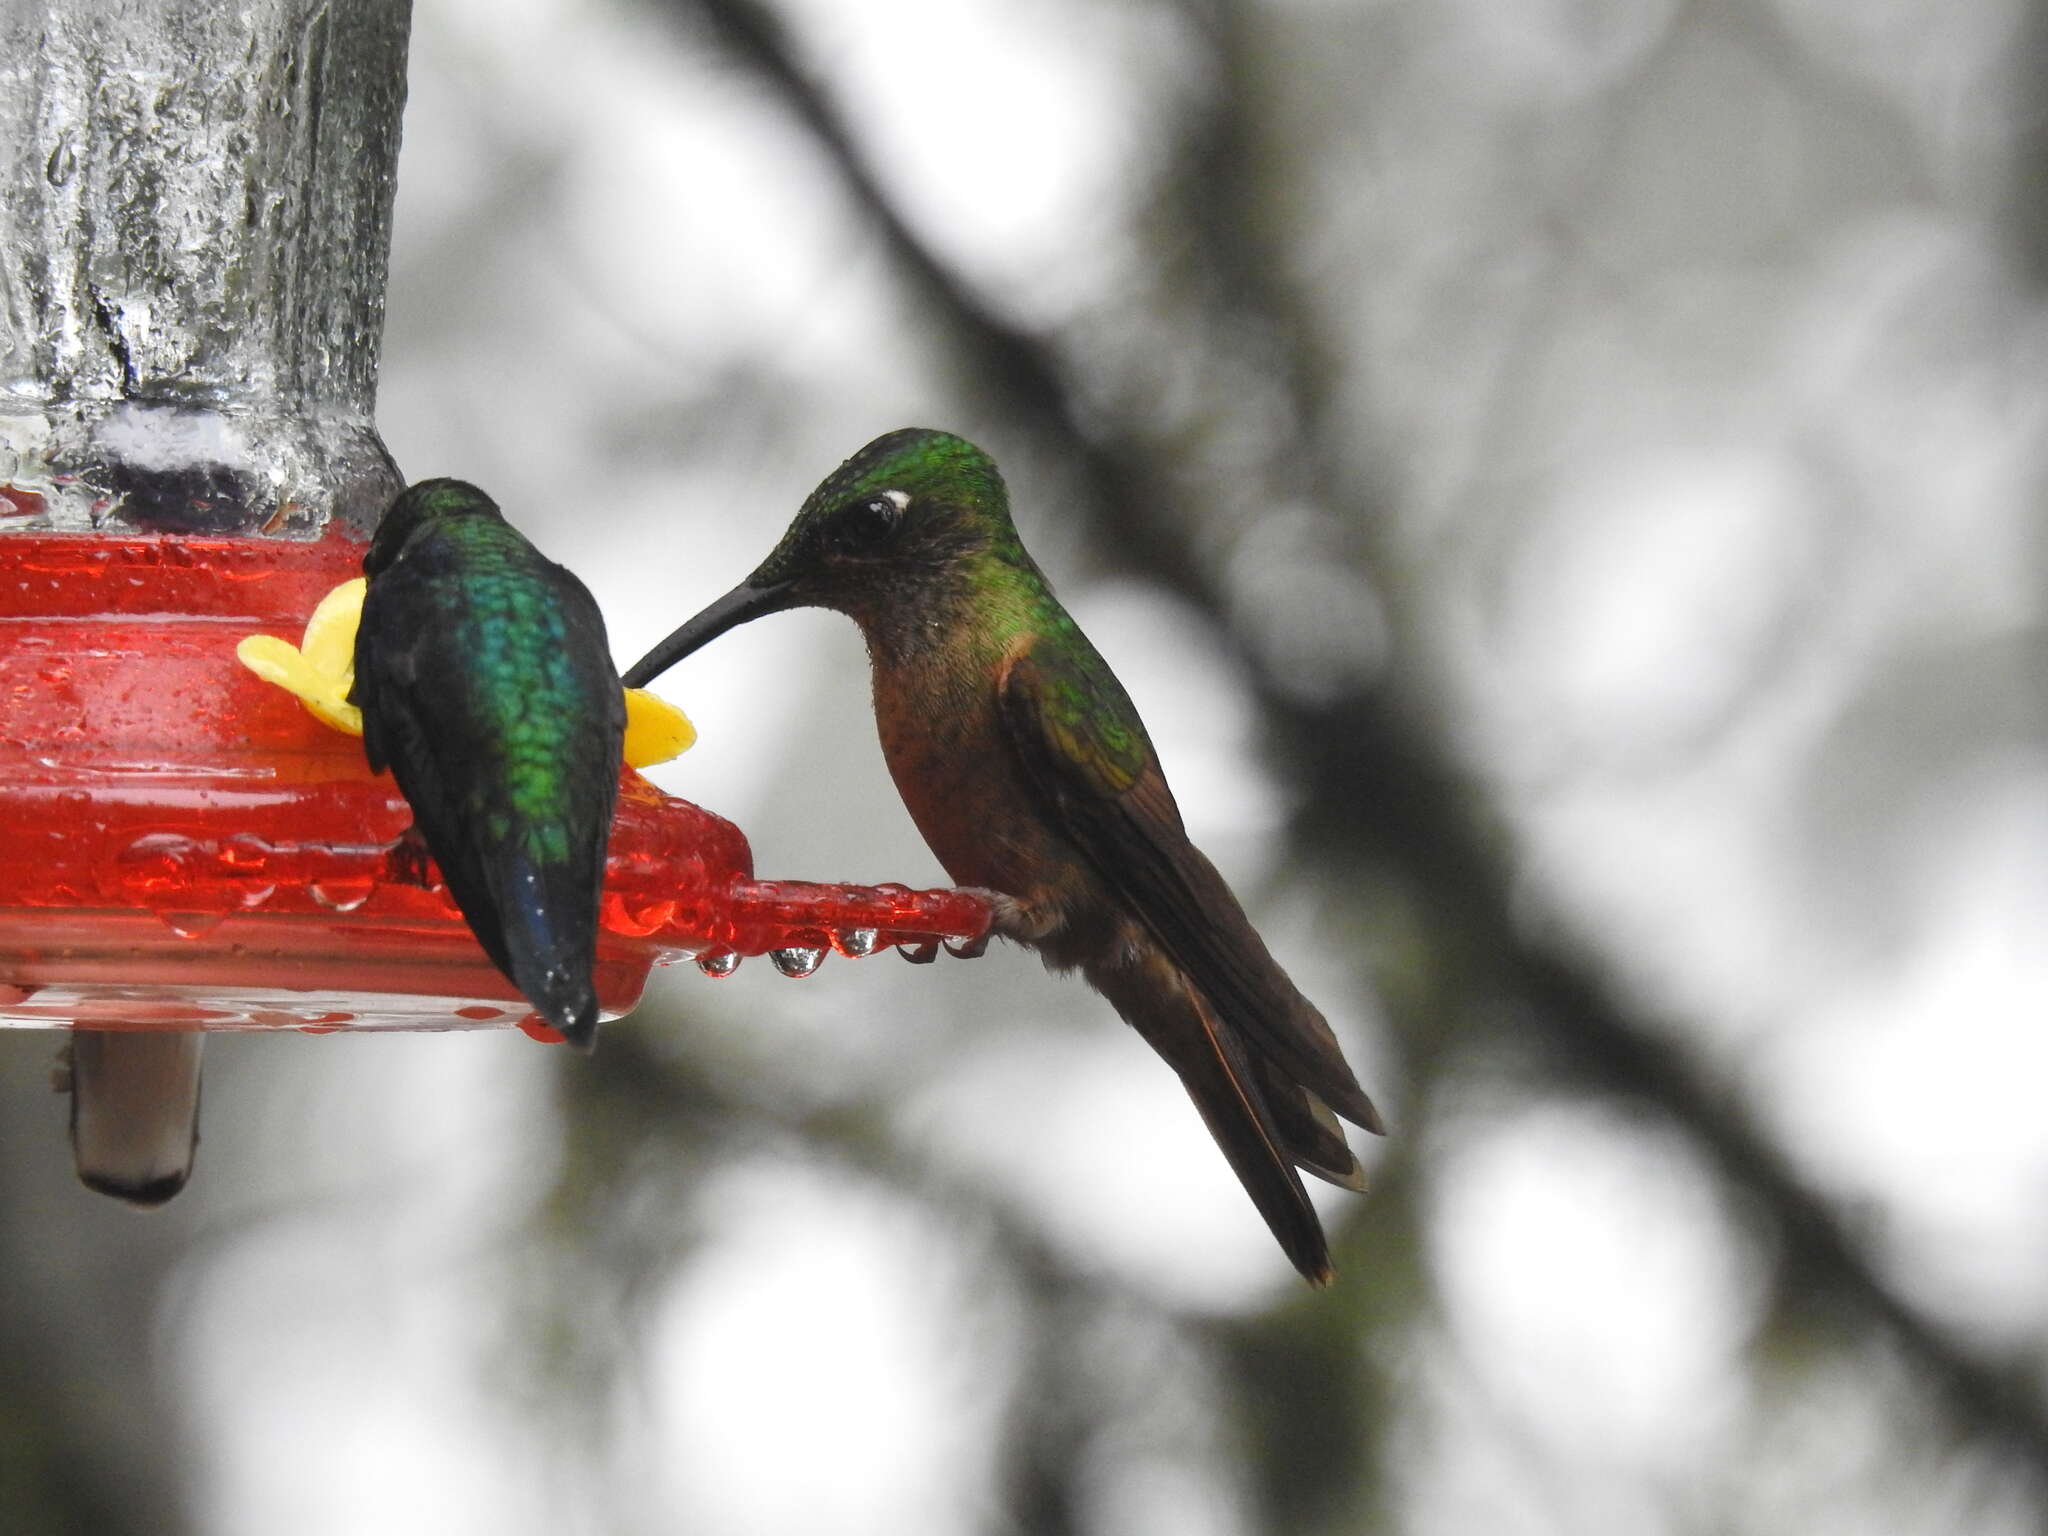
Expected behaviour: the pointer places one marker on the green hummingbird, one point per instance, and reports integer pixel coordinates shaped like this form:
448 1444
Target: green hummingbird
1025 766
487 687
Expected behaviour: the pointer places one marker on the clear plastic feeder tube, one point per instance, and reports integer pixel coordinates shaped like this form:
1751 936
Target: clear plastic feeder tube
195 220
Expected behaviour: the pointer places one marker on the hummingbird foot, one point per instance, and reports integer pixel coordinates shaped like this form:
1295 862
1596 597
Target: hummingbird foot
1008 918
924 952
408 861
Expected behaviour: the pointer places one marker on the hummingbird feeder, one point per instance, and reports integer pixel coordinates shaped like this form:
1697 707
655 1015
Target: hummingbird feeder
186 458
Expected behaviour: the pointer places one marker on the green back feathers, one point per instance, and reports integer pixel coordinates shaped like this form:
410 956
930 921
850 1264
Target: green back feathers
487 687
532 701
519 665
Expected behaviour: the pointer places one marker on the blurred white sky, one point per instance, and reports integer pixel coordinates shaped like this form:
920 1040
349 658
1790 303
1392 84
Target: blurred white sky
1761 396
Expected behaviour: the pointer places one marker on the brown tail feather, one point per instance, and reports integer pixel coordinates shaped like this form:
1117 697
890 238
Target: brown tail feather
1307 1128
1223 957
1214 1068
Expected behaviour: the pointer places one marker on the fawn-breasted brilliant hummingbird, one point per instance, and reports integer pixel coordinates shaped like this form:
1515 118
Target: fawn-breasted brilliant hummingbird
1024 764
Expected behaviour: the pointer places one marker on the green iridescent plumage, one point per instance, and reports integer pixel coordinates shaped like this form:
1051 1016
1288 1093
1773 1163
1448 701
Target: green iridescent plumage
487 686
1026 767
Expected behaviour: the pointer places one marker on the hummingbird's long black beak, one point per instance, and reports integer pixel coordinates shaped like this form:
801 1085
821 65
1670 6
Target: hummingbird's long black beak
745 601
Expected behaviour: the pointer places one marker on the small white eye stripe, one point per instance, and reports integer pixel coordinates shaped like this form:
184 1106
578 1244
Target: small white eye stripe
901 498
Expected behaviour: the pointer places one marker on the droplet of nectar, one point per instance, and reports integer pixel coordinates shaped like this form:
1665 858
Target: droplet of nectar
797 959
718 963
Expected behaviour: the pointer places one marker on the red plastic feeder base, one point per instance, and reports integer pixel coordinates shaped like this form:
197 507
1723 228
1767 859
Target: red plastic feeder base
183 847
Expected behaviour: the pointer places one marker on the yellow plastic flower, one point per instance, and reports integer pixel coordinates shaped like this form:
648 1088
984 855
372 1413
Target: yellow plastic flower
656 731
321 669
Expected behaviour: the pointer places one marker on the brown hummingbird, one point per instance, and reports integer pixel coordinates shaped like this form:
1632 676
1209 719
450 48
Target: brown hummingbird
1025 765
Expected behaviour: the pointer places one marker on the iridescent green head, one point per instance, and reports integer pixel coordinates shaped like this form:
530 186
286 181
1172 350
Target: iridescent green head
914 515
910 505
417 505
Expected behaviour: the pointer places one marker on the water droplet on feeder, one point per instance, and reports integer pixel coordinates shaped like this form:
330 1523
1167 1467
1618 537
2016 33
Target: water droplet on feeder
858 943
534 1027
718 963
342 895
159 859
798 960
63 162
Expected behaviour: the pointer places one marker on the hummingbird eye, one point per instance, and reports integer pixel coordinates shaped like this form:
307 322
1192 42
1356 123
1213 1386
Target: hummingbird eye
866 524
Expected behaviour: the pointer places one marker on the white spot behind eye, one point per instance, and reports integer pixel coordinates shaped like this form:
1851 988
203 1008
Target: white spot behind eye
901 498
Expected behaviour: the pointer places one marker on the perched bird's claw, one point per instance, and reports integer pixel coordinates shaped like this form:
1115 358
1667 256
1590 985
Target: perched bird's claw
969 949
408 860
924 952
1006 920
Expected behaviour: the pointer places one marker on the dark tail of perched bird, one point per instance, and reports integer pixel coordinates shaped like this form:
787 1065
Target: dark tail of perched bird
135 1111
1255 1056
538 923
